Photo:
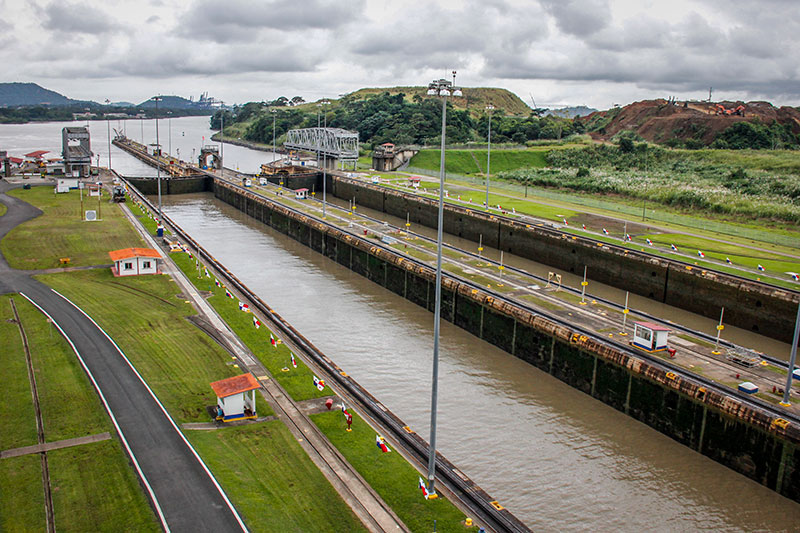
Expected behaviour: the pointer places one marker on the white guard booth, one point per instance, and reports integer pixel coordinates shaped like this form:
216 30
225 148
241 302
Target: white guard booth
301 194
236 397
650 337
134 261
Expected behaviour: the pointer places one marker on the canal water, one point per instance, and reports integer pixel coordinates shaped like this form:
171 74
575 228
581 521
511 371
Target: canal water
558 459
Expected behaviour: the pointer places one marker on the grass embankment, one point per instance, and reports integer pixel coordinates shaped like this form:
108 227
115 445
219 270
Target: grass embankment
391 475
146 318
273 482
473 162
61 232
94 488
3 209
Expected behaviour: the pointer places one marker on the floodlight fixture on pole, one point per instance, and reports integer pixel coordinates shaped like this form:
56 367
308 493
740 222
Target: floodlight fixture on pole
157 99
443 88
489 109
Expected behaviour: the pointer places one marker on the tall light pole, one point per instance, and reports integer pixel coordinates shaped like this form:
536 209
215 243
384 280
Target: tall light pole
222 138
489 109
169 121
441 88
157 99
108 126
274 116
324 155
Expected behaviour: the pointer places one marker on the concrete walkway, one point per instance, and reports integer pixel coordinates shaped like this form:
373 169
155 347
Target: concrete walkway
185 495
57 445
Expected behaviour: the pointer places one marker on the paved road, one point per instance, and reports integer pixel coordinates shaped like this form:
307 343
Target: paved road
186 494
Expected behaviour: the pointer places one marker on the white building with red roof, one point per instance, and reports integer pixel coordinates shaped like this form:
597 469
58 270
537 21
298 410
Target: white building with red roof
650 337
236 397
134 261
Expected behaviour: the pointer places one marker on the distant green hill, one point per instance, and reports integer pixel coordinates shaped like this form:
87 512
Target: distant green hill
170 102
24 94
475 99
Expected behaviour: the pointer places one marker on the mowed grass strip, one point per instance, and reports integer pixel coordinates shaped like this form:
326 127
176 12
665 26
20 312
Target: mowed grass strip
61 231
17 416
69 403
392 477
21 494
147 319
298 382
101 489
274 484
95 489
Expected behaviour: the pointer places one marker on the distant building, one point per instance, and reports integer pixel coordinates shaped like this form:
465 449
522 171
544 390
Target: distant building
76 150
134 261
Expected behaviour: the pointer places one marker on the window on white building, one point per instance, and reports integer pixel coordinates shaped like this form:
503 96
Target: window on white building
146 264
128 266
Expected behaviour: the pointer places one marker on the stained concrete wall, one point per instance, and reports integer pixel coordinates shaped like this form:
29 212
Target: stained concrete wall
748 304
170 185
743 437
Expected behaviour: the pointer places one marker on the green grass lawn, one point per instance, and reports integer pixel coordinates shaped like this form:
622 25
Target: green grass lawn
298 382
95 489
16 410
262 464
392 477
21 495
3 209
473 162
61 232
94 486
148 322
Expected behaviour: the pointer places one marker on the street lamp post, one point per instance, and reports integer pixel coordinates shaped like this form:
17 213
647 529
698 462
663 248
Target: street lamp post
169 121
274 151
157 99
489 109
222 138
324 155
108 127
442 88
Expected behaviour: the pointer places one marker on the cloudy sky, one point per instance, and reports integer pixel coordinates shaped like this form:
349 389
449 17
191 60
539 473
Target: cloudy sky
562 52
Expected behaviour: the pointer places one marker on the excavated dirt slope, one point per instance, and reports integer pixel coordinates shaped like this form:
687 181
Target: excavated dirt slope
660 120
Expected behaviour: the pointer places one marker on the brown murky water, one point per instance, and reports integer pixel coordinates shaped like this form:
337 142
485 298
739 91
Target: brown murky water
558 459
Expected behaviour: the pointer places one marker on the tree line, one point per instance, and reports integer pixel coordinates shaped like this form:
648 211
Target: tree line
391 118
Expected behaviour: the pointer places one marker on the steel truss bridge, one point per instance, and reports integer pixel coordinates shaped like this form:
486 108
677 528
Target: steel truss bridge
334 143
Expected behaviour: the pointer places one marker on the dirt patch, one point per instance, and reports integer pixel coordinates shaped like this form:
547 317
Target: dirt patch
661 120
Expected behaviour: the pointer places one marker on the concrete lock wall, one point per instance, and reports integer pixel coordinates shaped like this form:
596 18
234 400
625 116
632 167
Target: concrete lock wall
171 185
748 440
748 304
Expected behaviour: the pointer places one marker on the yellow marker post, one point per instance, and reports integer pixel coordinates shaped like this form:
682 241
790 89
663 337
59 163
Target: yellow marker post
584 283
720 327
625 315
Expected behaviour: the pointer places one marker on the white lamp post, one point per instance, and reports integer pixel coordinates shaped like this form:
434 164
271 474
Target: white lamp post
157 99
108 127
274 115
489 109
324 155
442 88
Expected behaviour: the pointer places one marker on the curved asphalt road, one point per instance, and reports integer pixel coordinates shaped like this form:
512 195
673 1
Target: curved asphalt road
184 491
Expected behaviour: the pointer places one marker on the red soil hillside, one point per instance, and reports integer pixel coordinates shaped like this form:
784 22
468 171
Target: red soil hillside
659 120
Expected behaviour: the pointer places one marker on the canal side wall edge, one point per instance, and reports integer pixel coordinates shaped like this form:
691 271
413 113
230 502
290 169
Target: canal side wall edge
749 305
742 437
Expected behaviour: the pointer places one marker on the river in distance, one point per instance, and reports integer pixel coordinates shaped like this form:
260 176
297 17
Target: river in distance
558 459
